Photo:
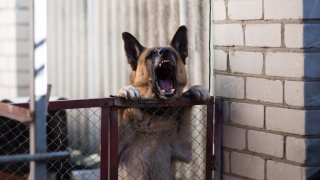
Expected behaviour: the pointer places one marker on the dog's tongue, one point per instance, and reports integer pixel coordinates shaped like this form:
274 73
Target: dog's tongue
165 85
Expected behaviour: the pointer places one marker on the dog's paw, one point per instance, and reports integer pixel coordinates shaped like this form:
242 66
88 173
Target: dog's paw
129 92
198 93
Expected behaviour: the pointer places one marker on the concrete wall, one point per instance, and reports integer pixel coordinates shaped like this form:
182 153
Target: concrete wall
14 47
267 68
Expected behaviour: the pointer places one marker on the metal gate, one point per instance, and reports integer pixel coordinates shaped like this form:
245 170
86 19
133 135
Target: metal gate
83 163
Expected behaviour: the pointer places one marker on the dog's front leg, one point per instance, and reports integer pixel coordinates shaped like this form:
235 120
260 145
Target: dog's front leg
197 93
129 92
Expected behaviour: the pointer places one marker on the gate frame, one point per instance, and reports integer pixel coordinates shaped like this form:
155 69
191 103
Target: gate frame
109 129
110 125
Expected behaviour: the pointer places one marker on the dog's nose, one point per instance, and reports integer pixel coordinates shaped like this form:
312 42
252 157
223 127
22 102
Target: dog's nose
163 51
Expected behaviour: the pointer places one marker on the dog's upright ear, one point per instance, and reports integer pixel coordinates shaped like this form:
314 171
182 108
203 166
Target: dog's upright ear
133 49
180 42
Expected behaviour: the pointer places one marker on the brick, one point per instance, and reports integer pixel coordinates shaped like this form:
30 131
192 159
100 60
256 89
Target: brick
23 91
22 3
246 62
234 137
263 35
22 16
220 60
12 48
296 9
304 151
245 10
226 161
7 17
219 10
298 93
302 35
228 34
22 48
14 16
282 171
229 86
282 9
301 122
247 114
264 90
8 79
8 92
226 111
4 64
11 32
247 165
5 4
23 79
22 63
293 64
260 142
293 35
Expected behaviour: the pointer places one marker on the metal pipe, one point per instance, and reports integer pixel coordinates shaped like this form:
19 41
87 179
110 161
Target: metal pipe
35 157
38 54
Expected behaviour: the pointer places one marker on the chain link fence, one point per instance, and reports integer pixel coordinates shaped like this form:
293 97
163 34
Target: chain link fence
74 130
76 127
156 137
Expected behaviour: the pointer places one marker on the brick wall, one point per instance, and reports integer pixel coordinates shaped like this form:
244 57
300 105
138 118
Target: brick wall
267 68
14 41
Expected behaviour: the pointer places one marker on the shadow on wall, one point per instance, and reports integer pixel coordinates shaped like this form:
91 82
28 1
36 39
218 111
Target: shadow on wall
311 44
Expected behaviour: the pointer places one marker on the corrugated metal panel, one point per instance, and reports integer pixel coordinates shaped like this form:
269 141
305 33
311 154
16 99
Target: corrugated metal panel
86 56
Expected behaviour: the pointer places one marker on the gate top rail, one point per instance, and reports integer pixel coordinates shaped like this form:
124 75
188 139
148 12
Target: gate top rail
119 102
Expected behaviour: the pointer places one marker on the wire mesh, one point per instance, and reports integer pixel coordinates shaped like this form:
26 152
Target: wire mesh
73 130
163 143
13 140
78 131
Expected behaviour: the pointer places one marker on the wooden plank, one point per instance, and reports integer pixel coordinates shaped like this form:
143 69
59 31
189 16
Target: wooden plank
15 112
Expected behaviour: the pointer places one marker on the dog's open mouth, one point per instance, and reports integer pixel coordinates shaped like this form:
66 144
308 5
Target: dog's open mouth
165 78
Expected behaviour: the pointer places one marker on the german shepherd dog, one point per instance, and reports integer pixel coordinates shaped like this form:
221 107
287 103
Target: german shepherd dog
152 141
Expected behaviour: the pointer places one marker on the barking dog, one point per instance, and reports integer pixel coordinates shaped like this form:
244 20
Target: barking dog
149 144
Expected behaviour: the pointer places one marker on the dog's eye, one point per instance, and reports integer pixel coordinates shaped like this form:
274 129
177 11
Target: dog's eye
152 54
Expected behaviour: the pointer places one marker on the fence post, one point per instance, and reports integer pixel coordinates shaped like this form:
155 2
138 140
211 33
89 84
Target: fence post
209 144
105 138
114 144
218 138
38 84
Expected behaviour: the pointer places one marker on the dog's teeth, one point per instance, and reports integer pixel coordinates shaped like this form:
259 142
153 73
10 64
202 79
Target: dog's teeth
172 90
160 64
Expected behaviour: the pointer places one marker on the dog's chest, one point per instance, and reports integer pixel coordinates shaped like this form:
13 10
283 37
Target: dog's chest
155 121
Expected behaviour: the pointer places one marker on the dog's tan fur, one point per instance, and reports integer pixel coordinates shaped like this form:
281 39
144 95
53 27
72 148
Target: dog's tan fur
150 144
